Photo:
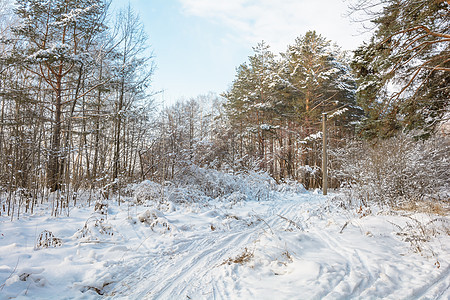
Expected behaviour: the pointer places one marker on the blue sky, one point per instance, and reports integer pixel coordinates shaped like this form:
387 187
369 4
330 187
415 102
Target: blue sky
198 44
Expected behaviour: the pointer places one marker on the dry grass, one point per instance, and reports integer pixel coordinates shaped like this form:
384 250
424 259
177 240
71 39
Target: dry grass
154 219
241 259
99 290
434 207
94 228
101 207
47 239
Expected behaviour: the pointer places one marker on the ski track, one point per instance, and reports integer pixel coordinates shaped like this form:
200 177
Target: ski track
157 280
184 272
196 267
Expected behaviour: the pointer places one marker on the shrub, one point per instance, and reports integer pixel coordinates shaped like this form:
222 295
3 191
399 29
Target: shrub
101 207
95 229
148 191
47 239
186 195
194 184
156 221
395 171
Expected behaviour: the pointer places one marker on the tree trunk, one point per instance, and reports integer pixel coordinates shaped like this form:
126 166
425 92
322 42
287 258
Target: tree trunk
118 130
53 176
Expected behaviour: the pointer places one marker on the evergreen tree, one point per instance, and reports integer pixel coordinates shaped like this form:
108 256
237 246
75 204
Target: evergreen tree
52 34
252 100
404 71
277 104
317 77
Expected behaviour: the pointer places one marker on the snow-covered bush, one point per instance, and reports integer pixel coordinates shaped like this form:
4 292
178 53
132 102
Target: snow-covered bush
47 239
256 185
211 182
95 229
217 184
236 197
156 220
186 195
101 207
291 187
395 171
198 185
148 191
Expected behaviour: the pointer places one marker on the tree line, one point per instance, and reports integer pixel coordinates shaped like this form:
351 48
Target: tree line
395 84
76 113
75 105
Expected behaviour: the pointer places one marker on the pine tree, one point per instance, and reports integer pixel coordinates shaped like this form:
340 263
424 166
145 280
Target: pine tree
404 71
318 79
52 33
276 104
252 100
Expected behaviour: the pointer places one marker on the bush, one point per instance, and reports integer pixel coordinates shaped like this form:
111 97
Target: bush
156 221
148 191
395 171
211 182
94 230
215 184
47 239
198 185
186 195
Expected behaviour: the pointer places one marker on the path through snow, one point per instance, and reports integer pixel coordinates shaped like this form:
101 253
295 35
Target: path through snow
295 252
296 246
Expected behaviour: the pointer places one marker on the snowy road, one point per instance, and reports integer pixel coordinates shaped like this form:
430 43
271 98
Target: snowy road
295 246
304 258
189 262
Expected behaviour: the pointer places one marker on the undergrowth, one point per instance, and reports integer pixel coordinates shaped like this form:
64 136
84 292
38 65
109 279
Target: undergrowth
47 239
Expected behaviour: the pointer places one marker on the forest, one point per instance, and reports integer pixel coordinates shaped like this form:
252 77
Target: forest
77 110
104 192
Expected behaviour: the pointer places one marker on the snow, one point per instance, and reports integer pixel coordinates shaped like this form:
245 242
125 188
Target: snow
338 112
268 126
314 136
74 15
56 51
292 245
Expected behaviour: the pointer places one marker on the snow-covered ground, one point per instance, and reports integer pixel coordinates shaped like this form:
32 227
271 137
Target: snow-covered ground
289 246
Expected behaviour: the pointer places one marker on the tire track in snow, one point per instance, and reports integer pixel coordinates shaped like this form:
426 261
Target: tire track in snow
362 265
197 266
237 241
187 267
438 288
193 264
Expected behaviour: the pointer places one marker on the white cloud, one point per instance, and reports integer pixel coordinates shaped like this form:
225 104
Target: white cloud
279 22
